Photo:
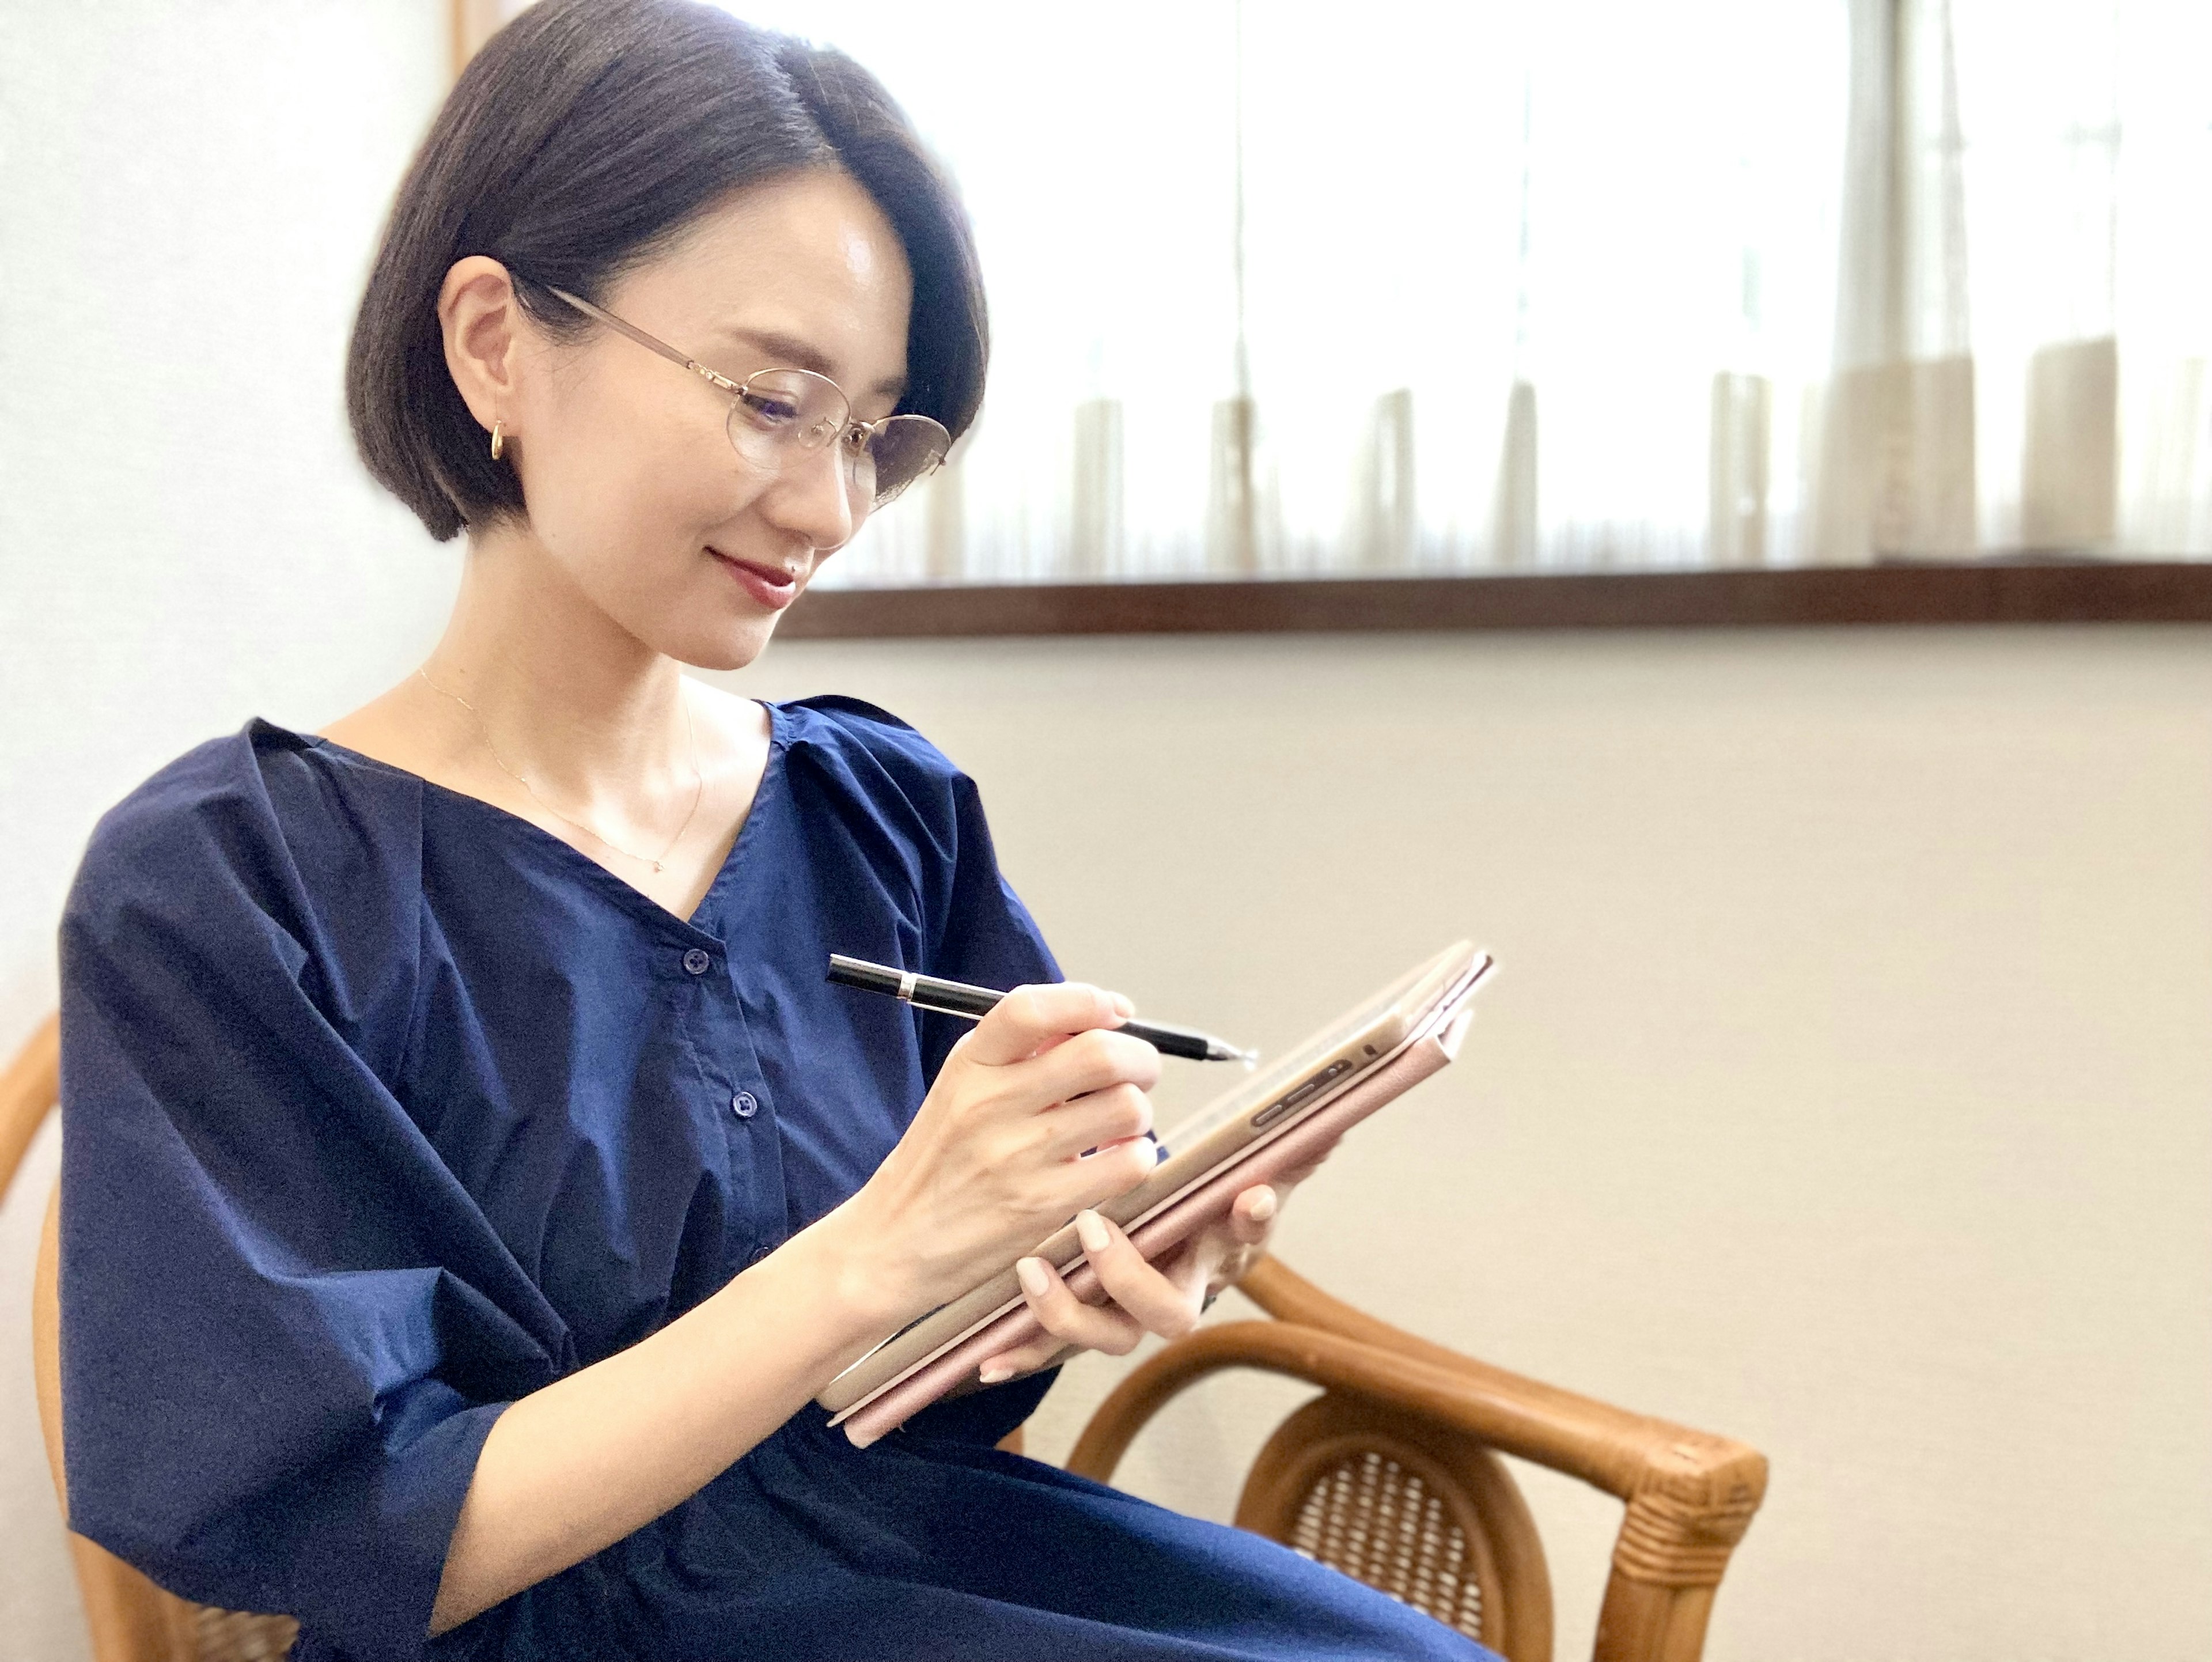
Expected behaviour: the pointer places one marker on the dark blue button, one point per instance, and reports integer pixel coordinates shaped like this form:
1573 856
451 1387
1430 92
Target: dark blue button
696 961
744 1104
758 1253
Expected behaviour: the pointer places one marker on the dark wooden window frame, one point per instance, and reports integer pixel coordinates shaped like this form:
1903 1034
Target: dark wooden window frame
1978 592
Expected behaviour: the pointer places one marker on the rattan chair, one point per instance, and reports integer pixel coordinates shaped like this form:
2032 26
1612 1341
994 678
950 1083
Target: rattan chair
1391 1475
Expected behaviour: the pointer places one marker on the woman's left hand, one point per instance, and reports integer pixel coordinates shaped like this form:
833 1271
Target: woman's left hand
1163 1298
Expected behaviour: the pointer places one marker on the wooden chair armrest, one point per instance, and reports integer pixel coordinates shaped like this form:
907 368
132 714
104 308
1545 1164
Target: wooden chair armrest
1611 1448
30 1085
46 1341
1623 1453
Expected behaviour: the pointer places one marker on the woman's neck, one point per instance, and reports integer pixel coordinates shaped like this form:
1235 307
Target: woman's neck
563 694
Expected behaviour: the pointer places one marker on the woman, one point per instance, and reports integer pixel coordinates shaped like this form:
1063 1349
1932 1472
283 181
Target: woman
469 1178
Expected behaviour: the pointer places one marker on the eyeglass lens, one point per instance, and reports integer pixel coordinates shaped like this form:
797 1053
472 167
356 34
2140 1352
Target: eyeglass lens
779 411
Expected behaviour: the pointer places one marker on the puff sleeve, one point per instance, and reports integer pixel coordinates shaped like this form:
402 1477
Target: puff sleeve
285 1329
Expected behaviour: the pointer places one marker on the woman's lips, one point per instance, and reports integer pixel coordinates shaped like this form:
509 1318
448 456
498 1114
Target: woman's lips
770 585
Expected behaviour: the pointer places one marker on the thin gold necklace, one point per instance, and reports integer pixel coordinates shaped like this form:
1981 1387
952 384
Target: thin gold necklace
698 779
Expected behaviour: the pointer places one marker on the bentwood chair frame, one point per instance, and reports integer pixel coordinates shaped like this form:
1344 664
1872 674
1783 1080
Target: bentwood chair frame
1392 1474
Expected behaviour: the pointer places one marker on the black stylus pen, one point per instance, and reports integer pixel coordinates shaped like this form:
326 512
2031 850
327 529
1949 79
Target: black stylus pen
927 992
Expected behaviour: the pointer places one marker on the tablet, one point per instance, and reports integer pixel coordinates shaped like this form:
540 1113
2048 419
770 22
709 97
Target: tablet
1264 1105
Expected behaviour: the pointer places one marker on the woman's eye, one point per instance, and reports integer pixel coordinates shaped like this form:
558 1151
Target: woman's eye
768 409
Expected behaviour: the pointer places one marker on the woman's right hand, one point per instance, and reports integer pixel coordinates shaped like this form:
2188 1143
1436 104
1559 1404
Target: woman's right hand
996 1158
992 1165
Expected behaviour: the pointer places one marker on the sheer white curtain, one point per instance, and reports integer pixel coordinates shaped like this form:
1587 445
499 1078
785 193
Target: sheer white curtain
2020 349
1095 151
2088 184
1532 236
1287 288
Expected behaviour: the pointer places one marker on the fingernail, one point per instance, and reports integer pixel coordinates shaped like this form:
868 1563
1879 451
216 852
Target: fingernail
1091 1230
1264 1207
994 1373
1121 1006
1031 1273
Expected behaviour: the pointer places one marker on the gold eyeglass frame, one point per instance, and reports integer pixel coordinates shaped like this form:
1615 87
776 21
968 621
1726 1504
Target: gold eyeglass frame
846 429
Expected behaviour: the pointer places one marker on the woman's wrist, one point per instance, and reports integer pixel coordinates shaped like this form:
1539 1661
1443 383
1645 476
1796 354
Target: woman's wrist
874 1288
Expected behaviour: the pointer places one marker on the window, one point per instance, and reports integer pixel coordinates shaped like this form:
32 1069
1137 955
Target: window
1407 286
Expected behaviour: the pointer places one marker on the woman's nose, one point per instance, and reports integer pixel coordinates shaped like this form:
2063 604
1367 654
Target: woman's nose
809 498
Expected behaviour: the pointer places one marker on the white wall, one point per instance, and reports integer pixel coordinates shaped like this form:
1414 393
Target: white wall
188 198
1844 1087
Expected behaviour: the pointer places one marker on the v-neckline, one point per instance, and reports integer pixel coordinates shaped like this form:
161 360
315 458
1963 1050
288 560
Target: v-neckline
617 887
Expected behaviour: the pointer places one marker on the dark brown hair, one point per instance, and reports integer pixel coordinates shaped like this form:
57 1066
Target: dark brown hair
583 139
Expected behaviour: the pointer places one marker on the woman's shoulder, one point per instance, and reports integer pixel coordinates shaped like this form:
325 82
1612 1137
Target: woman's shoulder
854 724
875 747
854 766
268 812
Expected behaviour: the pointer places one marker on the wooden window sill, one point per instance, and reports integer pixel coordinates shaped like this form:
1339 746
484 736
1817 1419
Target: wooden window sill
1989 591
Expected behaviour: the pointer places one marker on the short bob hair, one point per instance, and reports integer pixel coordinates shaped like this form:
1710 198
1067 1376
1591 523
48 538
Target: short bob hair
585 138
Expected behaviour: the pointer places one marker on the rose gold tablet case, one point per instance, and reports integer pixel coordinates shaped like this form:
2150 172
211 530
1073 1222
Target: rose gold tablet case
1255 1113
1429 1050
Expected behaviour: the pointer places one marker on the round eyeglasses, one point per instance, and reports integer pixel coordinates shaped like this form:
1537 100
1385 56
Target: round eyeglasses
778 414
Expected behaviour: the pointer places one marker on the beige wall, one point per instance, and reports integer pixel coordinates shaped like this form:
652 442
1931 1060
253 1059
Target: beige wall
1845 1086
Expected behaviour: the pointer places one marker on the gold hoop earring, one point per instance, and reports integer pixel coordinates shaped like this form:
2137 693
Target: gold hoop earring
498 441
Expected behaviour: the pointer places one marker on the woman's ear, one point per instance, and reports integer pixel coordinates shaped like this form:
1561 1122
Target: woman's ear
482 322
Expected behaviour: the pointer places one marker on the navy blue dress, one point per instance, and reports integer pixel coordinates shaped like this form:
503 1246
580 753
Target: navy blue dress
381 1108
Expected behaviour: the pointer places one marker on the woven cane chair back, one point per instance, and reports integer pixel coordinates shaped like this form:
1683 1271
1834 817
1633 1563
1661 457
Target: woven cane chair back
1415 1510
233 1636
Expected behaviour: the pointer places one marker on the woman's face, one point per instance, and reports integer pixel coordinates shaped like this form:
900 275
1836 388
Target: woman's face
633 487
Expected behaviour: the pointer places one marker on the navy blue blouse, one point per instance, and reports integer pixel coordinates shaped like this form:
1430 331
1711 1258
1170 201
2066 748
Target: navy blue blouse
382 1108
